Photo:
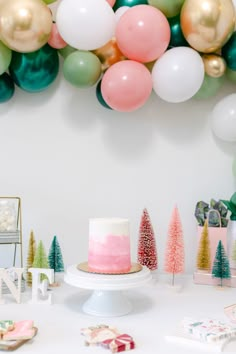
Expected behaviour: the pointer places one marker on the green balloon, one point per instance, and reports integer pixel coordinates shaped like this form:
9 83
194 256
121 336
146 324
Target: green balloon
210 87
49 1
35 71
82 68
170 8
177 38
130 3
7 88
99 96
234 167
228 52
67 50
5 58
231 75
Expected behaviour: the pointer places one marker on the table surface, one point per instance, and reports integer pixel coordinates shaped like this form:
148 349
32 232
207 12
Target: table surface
157 311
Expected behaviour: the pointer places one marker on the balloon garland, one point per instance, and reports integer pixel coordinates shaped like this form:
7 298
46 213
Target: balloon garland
128 48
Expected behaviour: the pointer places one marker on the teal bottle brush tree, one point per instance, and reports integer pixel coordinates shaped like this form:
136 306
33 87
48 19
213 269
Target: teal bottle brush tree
231 231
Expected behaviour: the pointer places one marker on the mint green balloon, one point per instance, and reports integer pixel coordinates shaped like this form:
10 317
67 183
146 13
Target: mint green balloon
82 68
210 87
231 75
49 1
5 58
234 167
67 50
170 8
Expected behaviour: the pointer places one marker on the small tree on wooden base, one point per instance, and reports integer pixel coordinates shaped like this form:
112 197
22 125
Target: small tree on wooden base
30 257
41 259
204 255
221 267
174 256
147 253
55 259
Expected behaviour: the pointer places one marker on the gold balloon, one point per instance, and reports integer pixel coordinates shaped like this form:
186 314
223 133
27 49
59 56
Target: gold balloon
207 24
215 65
109 54
25 25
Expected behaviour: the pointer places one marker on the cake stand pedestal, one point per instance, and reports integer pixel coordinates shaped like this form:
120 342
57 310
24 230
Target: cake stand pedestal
107 298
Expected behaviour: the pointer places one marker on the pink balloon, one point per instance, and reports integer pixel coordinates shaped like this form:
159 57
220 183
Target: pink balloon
55 40
143 33
111 2
126 85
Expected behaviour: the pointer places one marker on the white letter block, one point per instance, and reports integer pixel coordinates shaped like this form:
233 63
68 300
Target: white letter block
38 286
15 291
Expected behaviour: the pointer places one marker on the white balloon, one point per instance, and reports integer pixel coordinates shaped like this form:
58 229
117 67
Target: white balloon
53 7
120 11
178 74
224 118
85 24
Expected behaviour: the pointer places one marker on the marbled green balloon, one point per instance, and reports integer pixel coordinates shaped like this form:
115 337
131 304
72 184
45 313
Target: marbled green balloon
5 57
229 52
7 88
234 167
177 38
170 8
130 3
35 71
82 68
67 50
210 87
99 96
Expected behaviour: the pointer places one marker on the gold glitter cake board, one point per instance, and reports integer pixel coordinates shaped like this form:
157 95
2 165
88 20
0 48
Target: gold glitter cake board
135 267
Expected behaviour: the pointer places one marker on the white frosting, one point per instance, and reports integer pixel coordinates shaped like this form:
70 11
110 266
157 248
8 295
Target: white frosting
99 228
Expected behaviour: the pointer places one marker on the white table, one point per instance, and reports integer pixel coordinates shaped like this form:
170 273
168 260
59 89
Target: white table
157 311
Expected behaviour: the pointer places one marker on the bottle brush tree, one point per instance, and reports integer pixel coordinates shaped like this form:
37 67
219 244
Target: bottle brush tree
55 258
30 257
221 267
174 254
41 259
147 252
204 255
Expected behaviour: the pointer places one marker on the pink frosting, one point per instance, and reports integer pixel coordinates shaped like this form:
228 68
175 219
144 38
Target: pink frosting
111 255
22 330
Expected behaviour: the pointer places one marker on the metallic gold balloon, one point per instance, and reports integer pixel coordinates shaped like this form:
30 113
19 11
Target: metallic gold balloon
25 25
109 54
207 24
215 65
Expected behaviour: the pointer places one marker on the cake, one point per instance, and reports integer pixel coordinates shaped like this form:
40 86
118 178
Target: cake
109 246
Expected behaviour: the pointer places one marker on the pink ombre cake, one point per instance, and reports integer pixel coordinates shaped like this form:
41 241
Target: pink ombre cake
109 245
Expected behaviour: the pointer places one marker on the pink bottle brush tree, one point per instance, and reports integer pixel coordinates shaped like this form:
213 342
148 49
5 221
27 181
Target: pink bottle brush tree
147 252
174 255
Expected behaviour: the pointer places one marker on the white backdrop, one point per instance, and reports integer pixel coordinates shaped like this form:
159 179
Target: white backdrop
70 159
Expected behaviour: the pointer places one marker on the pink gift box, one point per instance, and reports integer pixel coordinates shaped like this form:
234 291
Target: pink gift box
215 235
121 343
204 278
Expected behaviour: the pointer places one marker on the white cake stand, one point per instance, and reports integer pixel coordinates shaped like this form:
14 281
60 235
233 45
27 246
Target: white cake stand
107 298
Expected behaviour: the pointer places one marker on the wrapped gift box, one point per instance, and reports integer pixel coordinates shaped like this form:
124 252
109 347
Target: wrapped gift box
207 279
121 343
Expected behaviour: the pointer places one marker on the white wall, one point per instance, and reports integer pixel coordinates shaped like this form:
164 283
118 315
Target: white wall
70 159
